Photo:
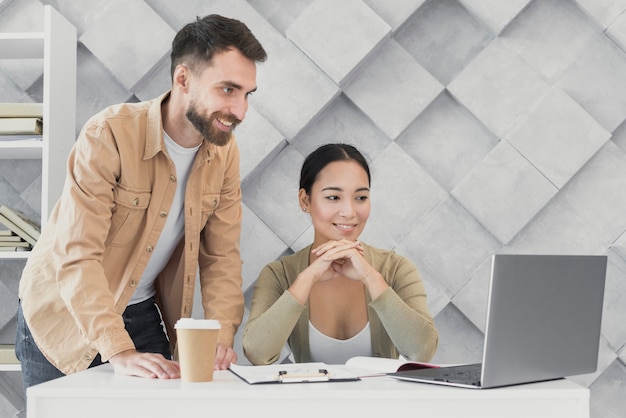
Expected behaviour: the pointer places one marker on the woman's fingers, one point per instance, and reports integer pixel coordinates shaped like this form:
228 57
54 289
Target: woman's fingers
336 245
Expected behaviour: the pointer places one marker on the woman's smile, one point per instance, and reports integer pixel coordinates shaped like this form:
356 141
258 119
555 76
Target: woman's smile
345 227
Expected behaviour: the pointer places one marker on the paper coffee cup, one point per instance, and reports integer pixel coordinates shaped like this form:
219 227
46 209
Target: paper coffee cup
197 341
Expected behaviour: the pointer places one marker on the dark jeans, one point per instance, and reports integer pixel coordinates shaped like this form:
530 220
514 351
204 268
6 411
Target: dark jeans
142 321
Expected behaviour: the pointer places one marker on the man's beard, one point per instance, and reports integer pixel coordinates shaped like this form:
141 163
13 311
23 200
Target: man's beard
205 126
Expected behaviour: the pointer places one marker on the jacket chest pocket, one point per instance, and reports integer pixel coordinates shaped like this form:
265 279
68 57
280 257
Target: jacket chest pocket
210 202
128 219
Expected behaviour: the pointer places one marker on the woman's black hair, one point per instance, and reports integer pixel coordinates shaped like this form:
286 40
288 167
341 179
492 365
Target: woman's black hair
326 154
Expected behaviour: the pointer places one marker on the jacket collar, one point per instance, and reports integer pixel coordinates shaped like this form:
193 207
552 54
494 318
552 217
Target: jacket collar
154 127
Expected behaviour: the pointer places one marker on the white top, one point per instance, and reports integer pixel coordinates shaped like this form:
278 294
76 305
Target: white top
174 228
192 323
333 351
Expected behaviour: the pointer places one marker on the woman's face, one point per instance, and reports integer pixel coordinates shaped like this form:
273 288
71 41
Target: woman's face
339 202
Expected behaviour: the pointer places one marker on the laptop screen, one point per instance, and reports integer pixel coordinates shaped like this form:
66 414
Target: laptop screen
543 322
543 318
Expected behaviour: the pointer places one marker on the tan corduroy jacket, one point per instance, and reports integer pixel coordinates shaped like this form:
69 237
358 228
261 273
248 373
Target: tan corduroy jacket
91 254
399 319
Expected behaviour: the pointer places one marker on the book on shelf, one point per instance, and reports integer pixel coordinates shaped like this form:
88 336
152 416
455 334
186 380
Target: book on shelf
18 243
19 231
20 138
20 224
21 110
4 237
13 249
7 354
21 126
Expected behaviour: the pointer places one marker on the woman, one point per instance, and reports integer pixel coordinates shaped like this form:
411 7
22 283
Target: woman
339 298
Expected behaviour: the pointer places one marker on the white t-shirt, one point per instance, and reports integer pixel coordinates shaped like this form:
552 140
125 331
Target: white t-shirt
174 228
333 351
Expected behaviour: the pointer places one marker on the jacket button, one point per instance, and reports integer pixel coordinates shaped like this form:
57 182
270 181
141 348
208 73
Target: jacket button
163 214
149 248
132 283
214 203
173 178
136 201
88 357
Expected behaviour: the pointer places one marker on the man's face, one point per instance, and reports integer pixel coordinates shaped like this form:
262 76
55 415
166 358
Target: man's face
208 125
218 96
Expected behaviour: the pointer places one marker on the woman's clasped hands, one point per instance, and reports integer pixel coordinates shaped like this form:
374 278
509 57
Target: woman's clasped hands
339 258
344 258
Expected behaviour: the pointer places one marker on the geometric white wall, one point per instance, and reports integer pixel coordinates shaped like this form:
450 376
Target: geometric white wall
491 126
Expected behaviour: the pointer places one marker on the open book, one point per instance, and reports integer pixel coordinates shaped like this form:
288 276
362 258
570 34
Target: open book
354 369
377 366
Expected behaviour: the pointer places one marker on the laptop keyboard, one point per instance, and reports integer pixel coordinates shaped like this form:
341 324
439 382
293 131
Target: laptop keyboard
469 374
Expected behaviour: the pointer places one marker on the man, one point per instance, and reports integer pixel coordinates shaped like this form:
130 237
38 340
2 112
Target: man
152 197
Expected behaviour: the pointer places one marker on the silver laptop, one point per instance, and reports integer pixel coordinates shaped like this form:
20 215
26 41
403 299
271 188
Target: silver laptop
543 322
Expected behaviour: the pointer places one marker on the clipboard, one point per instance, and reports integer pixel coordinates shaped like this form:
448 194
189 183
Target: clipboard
293 373
308 377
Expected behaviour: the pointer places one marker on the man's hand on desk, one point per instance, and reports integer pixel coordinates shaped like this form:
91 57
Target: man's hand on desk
224 356
150 365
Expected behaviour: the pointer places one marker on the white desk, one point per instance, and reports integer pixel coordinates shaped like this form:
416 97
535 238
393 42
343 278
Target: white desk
98 392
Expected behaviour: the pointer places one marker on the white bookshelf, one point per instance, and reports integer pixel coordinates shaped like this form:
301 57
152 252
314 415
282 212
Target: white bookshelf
56 45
